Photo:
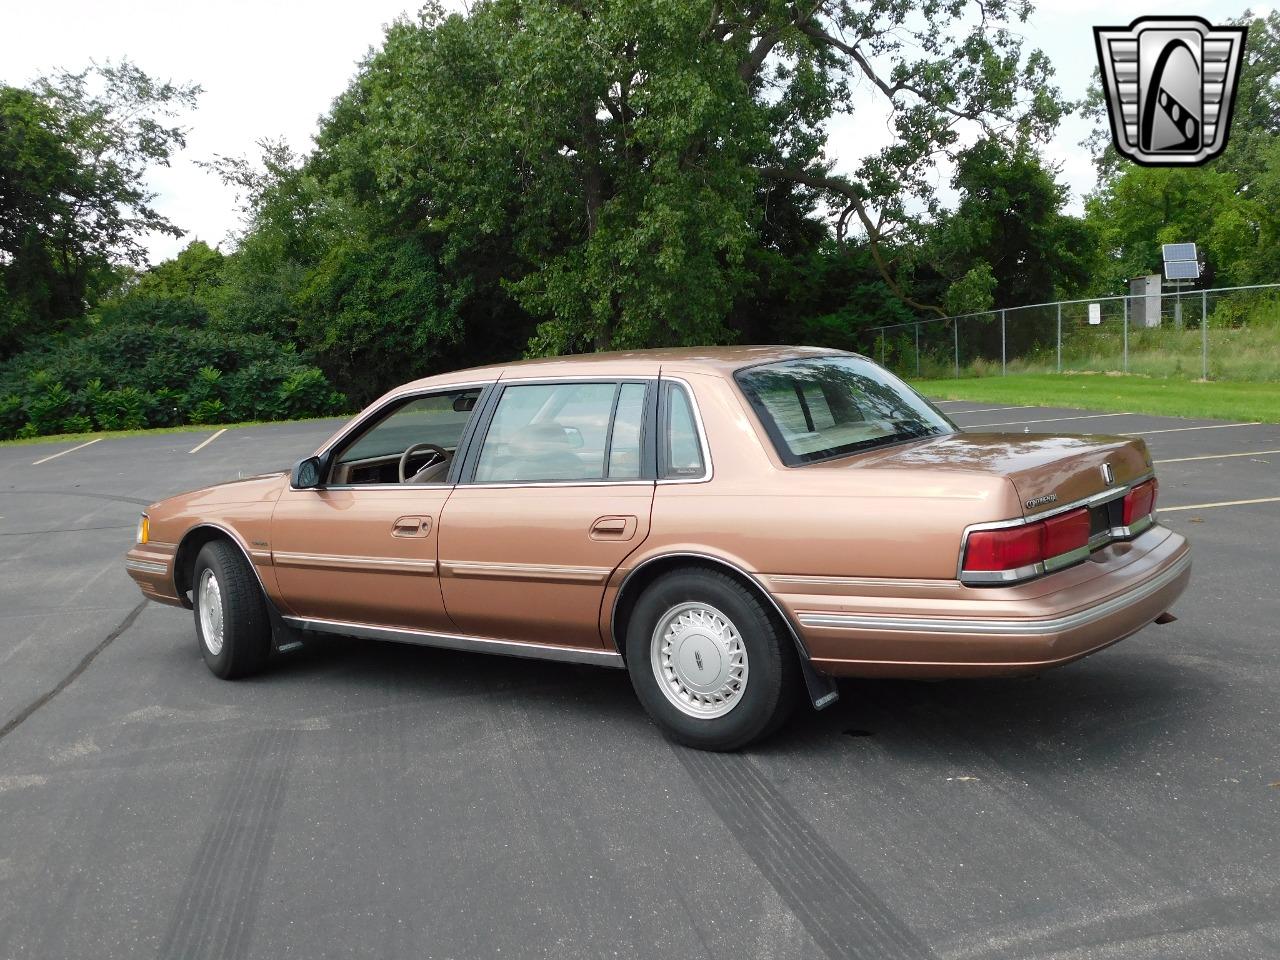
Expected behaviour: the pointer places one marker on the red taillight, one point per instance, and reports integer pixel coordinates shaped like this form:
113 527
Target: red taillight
1066 532
1012 548
1140 501
1006 549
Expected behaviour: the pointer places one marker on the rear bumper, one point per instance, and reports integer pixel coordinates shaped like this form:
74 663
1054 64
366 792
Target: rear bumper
934 629
151 566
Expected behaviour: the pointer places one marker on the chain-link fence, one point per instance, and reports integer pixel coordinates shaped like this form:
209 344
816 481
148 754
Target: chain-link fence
1226 333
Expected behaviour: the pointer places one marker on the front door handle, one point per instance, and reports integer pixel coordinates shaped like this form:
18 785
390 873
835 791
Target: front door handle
613 528
411 527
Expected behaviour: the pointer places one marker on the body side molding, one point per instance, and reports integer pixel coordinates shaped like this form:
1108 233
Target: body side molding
454 641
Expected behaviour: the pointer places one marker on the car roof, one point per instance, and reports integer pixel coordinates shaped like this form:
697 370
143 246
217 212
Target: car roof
720 361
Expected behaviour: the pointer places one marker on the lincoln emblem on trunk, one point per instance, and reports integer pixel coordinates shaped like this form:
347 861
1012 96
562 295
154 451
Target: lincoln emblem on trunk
1108 475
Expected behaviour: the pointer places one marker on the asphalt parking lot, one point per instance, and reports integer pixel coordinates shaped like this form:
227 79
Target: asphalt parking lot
372 800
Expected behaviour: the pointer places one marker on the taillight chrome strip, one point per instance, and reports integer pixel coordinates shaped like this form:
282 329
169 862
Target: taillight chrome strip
996 577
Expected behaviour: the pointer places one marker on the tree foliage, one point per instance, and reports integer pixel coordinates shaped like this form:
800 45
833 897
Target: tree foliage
74 151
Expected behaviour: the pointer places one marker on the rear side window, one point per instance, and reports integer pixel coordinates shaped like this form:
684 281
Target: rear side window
681 454
564 432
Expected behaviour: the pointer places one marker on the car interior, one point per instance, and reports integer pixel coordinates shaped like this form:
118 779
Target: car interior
415 443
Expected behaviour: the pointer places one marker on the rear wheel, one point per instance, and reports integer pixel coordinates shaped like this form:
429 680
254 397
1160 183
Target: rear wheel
232 625
709 661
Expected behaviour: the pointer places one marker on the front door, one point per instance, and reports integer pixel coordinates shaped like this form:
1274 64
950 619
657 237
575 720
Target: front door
362 547
558 494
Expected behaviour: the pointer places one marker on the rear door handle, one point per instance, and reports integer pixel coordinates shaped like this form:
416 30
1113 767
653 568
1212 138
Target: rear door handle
411 527
613 528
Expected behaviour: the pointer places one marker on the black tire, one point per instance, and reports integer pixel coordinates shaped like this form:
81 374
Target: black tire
773 674
245 625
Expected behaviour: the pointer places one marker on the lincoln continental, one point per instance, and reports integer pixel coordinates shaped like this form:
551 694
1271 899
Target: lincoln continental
735 527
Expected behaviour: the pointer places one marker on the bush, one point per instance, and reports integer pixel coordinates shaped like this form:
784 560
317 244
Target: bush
128 375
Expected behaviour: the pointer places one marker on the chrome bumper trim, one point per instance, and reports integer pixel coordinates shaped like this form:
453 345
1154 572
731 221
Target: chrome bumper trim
453 641
147 566
1005 626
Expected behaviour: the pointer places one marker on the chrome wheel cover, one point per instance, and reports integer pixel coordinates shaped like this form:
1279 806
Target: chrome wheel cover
699 660
209 597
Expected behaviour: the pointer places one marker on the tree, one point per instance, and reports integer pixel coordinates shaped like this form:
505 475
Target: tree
1008 242
1144 207
74 151
607 164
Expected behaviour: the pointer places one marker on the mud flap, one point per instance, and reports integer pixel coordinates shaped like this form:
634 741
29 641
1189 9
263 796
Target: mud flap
822 688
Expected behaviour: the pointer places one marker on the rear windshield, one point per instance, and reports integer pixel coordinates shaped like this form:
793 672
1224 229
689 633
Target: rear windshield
825 407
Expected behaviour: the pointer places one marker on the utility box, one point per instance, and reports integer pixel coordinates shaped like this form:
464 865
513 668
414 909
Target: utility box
1144 301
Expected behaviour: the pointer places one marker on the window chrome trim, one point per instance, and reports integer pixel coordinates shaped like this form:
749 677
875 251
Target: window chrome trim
987 577
454 641
1003 626
512 484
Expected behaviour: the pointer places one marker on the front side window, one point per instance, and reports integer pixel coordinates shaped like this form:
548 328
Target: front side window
428 428
563 432
824 407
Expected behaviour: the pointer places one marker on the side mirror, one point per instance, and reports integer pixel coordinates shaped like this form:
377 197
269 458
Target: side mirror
575 437
306 474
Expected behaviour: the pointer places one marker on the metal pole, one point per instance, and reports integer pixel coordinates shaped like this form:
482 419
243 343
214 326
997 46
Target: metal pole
1059 337
1003 362
1204 335
917 349
1126 335
955 326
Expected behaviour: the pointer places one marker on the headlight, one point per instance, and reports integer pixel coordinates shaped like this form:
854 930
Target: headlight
144 529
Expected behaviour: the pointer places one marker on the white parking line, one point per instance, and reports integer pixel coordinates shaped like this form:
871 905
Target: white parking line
63 453
1219 456
965 413
1220 503
1212 426
1011 423
206 441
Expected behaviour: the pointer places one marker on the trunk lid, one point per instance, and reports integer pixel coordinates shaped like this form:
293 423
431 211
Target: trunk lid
1047 471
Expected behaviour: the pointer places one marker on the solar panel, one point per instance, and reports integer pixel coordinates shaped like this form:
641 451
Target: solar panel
1181 270
1179 251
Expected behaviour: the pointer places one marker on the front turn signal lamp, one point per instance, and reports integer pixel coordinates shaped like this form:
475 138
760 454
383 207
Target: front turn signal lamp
144 529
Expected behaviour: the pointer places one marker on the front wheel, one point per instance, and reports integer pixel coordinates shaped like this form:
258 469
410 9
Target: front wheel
232 625
710 663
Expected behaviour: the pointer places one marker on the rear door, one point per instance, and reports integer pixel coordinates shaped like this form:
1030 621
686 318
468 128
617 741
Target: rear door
555 493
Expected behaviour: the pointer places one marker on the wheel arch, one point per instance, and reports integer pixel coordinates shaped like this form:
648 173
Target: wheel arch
822 688
649 570
189 547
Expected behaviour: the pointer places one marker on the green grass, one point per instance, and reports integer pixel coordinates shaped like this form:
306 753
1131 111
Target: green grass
1116 392
184 428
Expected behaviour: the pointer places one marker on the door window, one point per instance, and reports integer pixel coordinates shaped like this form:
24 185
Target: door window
682 447
563 432
435 421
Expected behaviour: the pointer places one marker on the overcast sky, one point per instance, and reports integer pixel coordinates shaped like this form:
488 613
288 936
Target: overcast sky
270 69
